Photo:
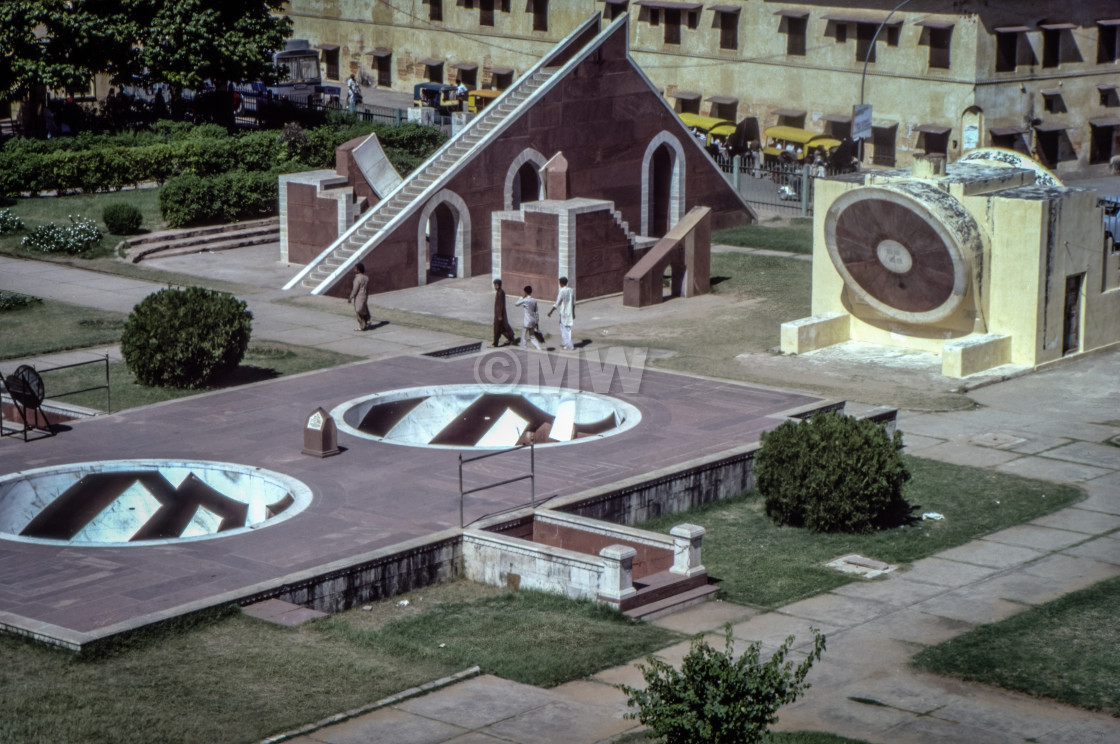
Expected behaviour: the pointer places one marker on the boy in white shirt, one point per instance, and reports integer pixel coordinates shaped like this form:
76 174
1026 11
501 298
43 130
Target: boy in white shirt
531 318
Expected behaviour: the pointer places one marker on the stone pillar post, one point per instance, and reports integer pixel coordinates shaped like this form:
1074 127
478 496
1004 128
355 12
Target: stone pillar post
617 581
686 549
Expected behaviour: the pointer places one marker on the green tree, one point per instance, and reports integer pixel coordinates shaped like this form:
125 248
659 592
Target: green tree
832 473
62 44
716 698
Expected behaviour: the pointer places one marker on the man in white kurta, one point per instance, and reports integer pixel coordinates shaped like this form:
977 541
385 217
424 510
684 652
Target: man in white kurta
566 304
531 319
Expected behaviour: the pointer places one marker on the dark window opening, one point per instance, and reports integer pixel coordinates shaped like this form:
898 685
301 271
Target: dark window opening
384 72
540 15
1012 141
501 80
614 10
1051 47
1106 44
934 143
892 35
486 12
468 78
1053 103
725 110
1007 51
435 10
865 50
435 73
939 39
1101 144
840 130
526 185
841 33
1049 147
1109 97
795 36
330 59
728 30
672 26
883 146
689 105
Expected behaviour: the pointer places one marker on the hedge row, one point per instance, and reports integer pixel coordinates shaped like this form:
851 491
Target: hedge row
107 165
228 197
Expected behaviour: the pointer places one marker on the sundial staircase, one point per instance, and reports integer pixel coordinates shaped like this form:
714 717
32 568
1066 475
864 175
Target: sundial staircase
364 235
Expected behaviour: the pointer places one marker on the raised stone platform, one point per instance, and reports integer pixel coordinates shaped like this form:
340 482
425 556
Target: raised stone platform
373 499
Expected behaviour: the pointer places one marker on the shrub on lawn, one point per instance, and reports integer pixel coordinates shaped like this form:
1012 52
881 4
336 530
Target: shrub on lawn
185 338
121 218
16 301
9 222
717 698
80 236
833 473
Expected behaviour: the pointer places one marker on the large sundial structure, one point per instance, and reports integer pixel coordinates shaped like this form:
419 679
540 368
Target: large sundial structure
986 262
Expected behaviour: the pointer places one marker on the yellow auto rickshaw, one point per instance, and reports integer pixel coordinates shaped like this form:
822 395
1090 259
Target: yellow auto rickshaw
791 143
477 100
708 127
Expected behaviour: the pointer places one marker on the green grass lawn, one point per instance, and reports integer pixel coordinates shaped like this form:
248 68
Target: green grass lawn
263 361
1064 650
796 237
37 211
760 564
770 291
48 326
224 677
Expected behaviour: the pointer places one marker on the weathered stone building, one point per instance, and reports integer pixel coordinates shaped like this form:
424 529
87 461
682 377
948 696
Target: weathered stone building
946 77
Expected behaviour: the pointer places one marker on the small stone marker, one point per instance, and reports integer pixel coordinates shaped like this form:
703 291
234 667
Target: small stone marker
320 436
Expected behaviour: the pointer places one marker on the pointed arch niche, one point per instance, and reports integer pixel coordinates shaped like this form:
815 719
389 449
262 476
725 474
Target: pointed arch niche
523 179
662 184
444 228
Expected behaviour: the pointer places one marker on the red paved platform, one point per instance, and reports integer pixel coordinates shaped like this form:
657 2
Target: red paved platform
371 496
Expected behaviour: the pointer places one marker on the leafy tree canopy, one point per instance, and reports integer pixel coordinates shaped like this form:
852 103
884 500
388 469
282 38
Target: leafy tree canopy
62 43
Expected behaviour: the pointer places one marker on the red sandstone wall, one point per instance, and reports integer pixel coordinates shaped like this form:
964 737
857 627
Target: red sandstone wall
312 223
649 560
599 272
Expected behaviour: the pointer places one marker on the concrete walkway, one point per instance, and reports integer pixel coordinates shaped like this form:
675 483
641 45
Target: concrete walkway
1053 424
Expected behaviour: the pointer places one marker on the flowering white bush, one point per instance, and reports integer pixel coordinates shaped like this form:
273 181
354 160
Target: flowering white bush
80 236
9 222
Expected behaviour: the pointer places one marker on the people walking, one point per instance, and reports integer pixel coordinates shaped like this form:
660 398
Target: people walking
566 303
531 319
359 295
501 319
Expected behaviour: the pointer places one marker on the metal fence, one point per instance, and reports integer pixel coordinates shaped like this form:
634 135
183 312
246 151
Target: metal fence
785 187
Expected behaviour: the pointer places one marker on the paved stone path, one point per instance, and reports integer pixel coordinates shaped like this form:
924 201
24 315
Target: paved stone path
1053 424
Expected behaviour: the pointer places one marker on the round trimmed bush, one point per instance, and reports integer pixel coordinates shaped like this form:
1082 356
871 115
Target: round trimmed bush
185 338
832 473
121 218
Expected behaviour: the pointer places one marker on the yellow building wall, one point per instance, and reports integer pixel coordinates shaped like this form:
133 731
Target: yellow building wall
904 89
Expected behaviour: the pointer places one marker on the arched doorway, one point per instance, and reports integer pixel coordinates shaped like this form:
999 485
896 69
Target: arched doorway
443 239
526 185
442 224
660 190
972 129
662 185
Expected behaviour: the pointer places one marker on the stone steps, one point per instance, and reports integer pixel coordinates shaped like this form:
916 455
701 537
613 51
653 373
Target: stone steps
204 239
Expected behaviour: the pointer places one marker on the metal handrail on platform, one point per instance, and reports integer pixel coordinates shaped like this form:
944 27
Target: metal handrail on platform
531 476
105 387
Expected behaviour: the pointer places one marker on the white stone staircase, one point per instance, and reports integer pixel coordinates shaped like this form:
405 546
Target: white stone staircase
366 232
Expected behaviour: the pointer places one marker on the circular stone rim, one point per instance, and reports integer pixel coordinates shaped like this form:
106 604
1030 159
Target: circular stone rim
953 243
302 497
632 415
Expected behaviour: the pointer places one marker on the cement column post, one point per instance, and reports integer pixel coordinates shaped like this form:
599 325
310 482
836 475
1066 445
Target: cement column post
735 163
686 549
617 581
